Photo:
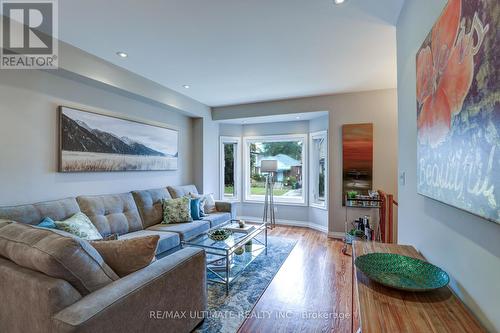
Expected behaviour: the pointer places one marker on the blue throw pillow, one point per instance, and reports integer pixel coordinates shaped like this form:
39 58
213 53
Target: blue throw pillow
47 222
195 208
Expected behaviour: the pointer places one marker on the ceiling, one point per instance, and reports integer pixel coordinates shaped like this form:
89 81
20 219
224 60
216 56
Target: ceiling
241 51
305 116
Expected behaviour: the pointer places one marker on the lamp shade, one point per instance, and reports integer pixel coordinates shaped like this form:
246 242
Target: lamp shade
268 165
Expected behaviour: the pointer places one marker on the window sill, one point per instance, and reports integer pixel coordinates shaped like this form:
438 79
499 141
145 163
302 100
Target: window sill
232 200
317 206
276 203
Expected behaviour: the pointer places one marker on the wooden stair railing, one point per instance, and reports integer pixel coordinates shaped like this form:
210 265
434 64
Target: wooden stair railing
386 216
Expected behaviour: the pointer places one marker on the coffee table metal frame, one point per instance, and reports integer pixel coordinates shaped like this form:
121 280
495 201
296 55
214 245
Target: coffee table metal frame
221 250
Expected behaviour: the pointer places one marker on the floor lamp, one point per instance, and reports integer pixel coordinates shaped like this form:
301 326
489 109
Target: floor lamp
269 166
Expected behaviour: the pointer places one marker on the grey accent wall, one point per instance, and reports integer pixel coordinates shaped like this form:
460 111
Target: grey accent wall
378 107
466 246
29 138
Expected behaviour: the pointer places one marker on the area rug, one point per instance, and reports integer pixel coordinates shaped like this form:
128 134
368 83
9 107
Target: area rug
226 313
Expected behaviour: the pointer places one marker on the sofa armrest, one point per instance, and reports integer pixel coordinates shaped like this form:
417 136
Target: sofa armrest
167 296
226 207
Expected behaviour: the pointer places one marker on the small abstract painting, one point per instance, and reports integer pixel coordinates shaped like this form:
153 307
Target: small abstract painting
357 158
91 142
458 108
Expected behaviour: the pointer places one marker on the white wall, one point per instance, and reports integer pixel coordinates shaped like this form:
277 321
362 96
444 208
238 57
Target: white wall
378 107
466 246
29 139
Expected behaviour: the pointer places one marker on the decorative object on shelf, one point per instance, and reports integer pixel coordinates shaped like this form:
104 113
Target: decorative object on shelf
458 147
248 246
91 142
402 272
239 251
241 223
357 159
354 234
219 234
362 202
269 166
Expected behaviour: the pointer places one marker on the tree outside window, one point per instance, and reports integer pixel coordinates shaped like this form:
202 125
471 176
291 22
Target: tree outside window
318 168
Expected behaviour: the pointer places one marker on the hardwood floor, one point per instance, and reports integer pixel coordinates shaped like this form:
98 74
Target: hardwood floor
312 290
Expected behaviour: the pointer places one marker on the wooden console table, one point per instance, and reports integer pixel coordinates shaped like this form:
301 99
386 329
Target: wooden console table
383 309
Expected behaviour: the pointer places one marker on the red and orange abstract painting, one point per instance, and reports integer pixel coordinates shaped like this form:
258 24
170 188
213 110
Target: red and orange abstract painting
458 108
357 158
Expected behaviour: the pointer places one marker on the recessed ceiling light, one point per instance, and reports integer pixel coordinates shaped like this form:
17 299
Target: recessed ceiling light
186 86
339 2
122 54
297 117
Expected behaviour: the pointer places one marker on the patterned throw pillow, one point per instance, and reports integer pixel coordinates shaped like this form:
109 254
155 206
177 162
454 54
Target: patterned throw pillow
177 210
79 225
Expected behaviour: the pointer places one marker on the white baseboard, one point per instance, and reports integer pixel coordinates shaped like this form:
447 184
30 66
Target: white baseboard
292 223
336 235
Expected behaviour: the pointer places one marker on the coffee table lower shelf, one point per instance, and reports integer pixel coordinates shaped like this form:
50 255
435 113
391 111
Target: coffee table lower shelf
223 263
226 274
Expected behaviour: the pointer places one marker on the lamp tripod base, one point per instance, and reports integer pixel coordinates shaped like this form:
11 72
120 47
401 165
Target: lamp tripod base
269 216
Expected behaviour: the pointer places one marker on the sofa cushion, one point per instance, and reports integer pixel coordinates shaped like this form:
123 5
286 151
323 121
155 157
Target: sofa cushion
56 254
112 214
185 230
168 240
180 191
149 203
126 256
35 213
79 225
217 218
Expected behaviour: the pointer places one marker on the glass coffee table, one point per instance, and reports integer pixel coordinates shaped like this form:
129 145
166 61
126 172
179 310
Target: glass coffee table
228 258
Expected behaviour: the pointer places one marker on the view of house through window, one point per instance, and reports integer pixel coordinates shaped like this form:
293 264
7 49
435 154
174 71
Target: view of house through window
289 176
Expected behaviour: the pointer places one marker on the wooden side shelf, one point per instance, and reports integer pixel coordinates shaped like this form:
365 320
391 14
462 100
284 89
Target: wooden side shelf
383 309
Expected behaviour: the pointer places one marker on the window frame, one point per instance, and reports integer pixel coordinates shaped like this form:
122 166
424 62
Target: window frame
237 167
278 200
312 163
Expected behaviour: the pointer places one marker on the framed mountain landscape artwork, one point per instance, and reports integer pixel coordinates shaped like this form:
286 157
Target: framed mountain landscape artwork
91 142
458 108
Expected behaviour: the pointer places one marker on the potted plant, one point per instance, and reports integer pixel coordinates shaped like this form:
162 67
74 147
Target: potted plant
352 194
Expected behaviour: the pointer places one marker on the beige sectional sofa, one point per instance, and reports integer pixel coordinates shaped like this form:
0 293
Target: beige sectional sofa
35 302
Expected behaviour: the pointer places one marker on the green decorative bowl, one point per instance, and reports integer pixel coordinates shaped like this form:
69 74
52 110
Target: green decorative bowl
219 234
402 272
